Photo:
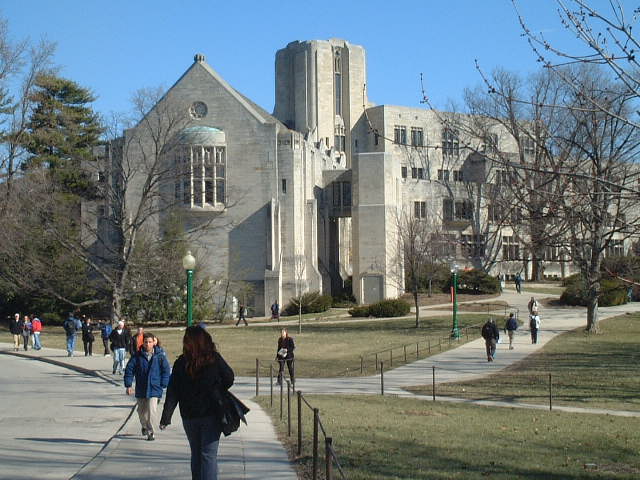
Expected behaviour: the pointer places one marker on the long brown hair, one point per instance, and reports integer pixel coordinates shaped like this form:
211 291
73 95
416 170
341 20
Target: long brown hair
198 350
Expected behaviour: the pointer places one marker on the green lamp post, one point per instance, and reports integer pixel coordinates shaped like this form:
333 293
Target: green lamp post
455 332
189 264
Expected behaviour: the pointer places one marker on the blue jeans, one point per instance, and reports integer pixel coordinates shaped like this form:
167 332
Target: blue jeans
118 360
36 341
71 343
203 435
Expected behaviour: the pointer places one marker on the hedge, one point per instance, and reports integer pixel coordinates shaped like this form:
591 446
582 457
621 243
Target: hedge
385 308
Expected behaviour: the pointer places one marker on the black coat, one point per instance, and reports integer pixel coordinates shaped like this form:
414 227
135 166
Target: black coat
195 396
16 327
287 343
87 332
122 340
490 330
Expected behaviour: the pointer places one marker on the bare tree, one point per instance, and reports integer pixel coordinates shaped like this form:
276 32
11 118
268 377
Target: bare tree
299 267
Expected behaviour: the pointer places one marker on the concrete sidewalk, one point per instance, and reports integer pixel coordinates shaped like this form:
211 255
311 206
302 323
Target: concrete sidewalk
252 453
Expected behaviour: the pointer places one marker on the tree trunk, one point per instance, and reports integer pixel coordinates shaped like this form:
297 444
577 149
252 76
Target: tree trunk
300 314
415 301
116 305
592 307
537 272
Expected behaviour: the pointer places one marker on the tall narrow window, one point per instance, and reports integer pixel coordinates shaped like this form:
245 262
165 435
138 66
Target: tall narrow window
338 83
284 185
346 194
450 142
416 137
400 135
221 161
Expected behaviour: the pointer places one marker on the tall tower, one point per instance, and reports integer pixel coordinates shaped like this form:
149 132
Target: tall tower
320 91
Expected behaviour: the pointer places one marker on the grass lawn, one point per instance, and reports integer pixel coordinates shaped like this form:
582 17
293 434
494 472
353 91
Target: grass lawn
587 371
322 350
551 290
379 437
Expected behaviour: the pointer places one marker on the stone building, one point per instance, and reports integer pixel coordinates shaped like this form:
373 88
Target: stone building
308 196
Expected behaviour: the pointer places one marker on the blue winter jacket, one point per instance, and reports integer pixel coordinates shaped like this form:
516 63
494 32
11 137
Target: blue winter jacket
151 376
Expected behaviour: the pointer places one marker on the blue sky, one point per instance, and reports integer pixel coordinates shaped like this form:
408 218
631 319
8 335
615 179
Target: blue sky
115 47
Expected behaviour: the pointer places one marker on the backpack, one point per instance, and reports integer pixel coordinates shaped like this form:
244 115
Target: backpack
532 322
487 331
69 326
512 323
106 330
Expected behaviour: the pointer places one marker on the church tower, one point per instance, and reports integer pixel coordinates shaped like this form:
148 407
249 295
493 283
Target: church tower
320 91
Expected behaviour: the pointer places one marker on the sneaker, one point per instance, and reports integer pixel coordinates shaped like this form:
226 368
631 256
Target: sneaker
150 437
114 371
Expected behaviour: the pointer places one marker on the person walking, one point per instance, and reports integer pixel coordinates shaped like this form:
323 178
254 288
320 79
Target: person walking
533 306
87 337
136 341
510 327
242 312
71 326
534 326
518 281
120 340
195 374
15 327
150 369
284 353
105 331
36 328
275 311
26 332
491 335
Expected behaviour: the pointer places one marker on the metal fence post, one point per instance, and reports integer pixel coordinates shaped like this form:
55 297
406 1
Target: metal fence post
391 357
429 346
376 362
405 353
271 384
288 408
281 398
381 378
257 376
327 458
433 381
316 421
361 365
550 407
299 394
417 350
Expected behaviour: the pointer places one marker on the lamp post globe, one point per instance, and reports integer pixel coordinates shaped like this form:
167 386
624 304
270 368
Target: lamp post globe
455 331
189 264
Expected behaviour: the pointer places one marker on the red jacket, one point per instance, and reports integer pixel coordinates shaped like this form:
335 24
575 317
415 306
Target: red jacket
36 325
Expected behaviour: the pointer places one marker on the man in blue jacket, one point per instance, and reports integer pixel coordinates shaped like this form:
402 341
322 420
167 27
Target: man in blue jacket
151 370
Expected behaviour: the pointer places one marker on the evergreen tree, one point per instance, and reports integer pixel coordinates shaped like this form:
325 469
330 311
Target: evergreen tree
62 130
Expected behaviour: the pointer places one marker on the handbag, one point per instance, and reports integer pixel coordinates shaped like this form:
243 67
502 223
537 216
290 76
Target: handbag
231 410
282 352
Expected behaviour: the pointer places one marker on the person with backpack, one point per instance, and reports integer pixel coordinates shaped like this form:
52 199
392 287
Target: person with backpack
150 369
275 311
534 326
105 331
509 327
71 326
36 328
491 336
518 281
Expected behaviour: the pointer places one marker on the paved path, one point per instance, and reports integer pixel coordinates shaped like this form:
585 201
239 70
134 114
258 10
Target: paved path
252 453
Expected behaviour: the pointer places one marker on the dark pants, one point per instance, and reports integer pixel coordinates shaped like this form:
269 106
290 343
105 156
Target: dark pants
534 335
290 366
490 344
242 319
105 342
203 435
25 341
88 347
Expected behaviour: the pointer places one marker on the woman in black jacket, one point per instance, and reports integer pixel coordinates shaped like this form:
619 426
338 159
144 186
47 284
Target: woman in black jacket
285 354
87 337
196 373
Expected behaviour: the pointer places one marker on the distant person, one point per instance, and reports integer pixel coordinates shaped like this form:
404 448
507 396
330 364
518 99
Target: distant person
501 277
534 306
120 340
491 336
136 341
36 329
150 369
26 332
15 327
71 326
199 369
534 326
87 336
510 327
105 331
275 311
242 312
284 353
518 281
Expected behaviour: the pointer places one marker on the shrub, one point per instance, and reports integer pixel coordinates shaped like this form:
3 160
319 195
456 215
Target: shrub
440 276
612 292
390 308
359 311
477 282
312 302
51 318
